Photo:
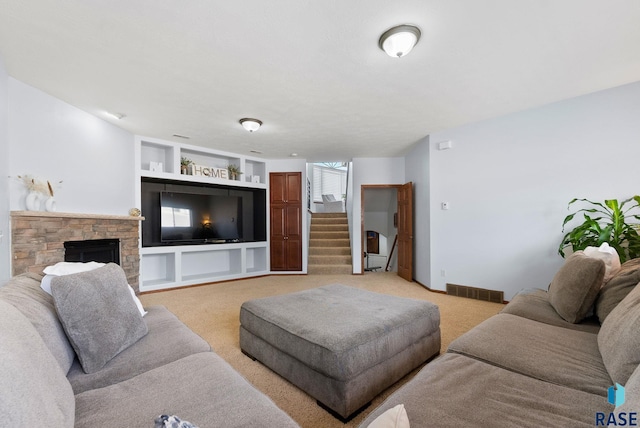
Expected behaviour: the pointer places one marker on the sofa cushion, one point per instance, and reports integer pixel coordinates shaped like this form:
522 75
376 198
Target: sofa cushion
24 293
98 314
34 391
619 340
617 288
395 417
445 393
168 340
202 389
575 287
631 393
545 352
533 303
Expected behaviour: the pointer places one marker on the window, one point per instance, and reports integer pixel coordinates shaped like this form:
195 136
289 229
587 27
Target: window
329 178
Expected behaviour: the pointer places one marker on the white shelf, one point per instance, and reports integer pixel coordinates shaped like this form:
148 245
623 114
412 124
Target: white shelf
184 265
165 267
168 154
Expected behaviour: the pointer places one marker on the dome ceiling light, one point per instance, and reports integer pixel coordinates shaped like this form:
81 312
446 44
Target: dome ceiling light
250 125
398 41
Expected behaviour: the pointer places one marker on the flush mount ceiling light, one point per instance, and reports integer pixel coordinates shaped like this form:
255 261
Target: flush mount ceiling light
250 124
398 41
118 116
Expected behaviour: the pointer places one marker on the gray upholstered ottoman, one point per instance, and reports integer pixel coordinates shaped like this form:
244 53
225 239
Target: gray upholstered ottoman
342 345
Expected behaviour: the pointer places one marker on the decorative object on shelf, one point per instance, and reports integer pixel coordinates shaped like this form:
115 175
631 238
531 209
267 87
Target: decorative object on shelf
134 212
398 41
155 166
250 124
50 204
255 179
38 190
184 165
32 201
207 171
605 222
234 172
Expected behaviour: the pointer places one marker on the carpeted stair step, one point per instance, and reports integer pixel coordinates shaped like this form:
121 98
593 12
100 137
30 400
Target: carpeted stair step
330 251
329 269
329 220
329 215
329 243
329 260
330 227
330 235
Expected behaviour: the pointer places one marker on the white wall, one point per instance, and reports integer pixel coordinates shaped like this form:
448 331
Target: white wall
54 141
508 181
369 171
418 172
5 255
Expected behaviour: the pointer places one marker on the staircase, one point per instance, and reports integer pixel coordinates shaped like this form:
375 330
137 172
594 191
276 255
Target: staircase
329 245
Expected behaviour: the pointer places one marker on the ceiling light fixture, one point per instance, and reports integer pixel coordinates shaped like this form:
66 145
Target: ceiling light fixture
251 125
118 116
398 41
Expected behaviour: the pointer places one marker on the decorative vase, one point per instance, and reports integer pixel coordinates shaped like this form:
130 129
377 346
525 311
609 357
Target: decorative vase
32 202
50 204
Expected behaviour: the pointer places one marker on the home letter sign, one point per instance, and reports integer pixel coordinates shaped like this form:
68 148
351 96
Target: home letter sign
208 171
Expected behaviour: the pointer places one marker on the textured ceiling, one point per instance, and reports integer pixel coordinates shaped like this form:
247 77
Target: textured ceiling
312 70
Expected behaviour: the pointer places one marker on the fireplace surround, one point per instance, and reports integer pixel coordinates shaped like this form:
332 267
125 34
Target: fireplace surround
38 237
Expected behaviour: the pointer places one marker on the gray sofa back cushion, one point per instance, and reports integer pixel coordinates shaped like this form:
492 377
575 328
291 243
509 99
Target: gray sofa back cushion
34 391
98 314
574 288
631 394
618 339
25 294
617 288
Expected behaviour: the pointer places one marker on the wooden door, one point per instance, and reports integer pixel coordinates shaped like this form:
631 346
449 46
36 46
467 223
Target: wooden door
285 197
278 234
405 231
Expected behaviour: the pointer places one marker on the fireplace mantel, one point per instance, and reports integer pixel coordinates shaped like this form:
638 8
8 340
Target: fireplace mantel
38 237
74 215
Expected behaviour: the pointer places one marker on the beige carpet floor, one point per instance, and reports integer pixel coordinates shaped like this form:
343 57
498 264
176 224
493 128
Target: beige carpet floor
213 312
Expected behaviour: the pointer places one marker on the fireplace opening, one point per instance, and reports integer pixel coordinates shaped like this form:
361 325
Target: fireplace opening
93 250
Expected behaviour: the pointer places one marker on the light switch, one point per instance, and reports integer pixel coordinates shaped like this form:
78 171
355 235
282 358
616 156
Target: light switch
444 205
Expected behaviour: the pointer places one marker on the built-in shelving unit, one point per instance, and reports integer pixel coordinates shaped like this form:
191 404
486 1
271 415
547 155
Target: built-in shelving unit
169 266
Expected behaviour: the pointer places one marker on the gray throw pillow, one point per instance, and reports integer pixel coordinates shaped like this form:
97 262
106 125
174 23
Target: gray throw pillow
617 288
575 287
618 338
98 314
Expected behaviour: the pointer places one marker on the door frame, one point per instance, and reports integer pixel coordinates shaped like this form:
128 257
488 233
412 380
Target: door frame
363 187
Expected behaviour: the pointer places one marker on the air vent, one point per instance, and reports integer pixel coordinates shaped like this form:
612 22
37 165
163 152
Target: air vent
475 293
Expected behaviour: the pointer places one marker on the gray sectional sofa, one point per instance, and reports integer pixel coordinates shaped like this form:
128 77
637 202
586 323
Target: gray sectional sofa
169 370
529 367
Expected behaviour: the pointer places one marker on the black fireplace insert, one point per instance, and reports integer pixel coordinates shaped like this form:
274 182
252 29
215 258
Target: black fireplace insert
93 250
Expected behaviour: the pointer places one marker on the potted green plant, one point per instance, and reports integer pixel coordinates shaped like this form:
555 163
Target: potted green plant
234 172
605 222
184 165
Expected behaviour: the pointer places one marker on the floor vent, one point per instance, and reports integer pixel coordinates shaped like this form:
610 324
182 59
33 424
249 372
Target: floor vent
475 293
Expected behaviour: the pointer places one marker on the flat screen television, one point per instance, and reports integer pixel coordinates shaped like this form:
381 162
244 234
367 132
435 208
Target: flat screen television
191 217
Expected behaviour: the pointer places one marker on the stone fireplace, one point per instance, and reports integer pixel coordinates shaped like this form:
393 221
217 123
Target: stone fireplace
38 237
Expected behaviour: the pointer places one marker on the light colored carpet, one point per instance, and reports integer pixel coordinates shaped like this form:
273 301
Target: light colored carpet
213 312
